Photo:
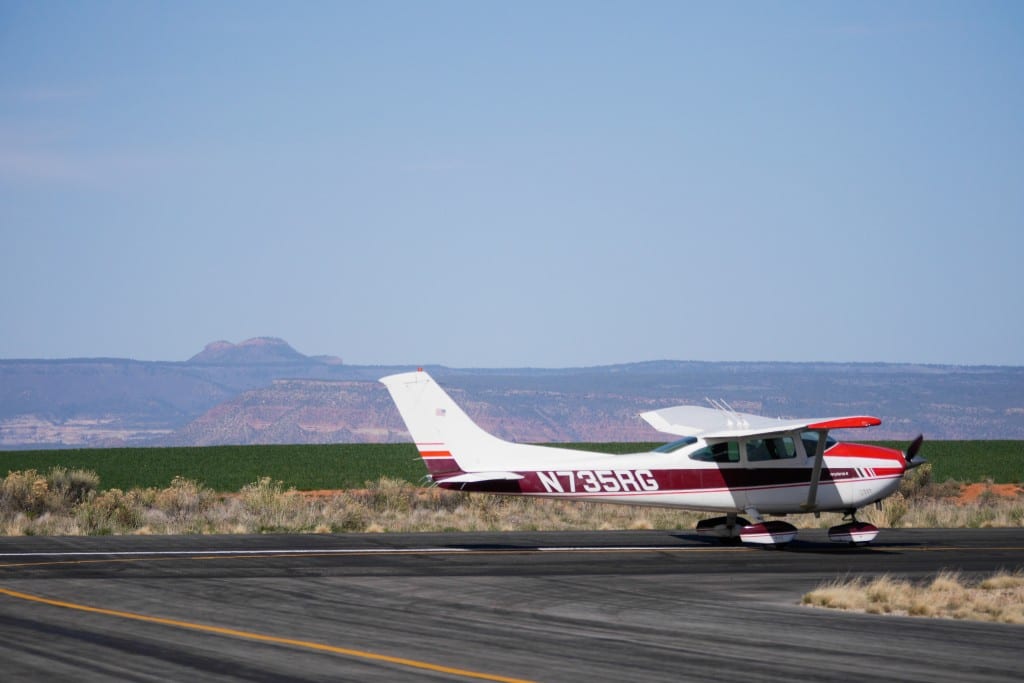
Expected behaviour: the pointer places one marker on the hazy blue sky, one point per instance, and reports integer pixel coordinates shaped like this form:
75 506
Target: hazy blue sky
510 184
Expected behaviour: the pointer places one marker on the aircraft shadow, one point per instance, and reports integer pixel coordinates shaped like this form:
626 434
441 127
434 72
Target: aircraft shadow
799 545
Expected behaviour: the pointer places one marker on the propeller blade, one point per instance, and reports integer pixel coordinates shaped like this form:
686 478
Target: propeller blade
911 453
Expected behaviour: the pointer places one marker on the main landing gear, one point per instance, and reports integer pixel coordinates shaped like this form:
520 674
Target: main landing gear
733 529
853 532
726 529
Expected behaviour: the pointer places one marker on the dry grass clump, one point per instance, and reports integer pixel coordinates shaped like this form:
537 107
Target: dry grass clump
999 598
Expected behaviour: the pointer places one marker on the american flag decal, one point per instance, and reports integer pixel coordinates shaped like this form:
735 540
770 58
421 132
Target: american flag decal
440 412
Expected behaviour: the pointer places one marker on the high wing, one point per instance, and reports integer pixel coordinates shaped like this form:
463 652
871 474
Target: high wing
715 423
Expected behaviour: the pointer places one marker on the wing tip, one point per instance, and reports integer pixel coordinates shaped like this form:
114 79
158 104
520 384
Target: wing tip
849 422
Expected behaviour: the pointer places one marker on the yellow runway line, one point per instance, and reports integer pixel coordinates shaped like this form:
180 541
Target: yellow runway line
259 637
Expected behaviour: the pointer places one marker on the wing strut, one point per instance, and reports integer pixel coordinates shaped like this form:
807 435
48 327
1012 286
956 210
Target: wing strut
819 457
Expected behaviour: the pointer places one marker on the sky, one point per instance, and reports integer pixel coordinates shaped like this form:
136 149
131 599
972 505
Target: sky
484 184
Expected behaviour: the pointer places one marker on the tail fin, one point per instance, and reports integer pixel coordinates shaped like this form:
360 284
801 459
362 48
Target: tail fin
449 442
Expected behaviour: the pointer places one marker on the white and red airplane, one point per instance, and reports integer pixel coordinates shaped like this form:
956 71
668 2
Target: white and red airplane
726 462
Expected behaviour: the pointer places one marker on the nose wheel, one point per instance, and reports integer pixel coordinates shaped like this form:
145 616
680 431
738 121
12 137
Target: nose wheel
853 532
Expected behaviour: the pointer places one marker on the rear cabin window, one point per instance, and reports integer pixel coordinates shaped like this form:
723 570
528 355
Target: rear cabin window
780 448
726 451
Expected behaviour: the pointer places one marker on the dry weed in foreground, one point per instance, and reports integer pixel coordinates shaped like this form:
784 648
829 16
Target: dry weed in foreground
999 598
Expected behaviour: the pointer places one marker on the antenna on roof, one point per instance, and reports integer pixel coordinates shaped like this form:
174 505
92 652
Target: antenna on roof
733 418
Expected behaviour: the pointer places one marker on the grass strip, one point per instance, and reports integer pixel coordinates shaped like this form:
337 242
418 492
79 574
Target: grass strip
229 468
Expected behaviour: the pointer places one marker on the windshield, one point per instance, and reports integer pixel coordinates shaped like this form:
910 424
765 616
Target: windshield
810 440
676 445
726 451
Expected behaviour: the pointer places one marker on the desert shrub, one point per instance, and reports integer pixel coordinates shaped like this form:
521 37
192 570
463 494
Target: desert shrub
25 491
890 513
33 493
73 485
920 483
391 495
111 512
265 493
347 515
184 498
916 480
267 506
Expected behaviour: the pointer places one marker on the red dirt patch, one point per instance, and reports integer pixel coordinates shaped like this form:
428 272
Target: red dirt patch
971 492
326 493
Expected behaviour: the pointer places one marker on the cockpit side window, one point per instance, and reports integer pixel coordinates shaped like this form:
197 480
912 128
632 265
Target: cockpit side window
779 448
725 451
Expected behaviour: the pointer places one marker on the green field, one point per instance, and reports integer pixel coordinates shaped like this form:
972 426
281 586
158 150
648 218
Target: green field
973 461
229 468
308 467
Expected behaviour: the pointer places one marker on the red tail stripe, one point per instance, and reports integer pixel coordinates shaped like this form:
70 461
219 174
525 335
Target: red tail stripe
435 454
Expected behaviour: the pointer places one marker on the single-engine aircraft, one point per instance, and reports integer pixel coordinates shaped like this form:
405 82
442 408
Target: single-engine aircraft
725 462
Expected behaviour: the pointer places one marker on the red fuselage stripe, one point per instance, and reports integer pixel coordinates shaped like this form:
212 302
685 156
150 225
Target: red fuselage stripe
805 484
609 483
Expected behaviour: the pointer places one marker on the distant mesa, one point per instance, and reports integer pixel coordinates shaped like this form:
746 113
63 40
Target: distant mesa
258 350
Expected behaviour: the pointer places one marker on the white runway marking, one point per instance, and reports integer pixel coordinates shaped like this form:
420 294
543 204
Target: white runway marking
353 551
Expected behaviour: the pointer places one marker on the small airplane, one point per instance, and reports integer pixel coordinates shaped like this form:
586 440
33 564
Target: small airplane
725 462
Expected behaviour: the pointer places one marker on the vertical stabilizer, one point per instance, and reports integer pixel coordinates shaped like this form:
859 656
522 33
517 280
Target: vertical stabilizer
448 440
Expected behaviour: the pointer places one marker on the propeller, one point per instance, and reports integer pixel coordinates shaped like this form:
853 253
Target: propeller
911 453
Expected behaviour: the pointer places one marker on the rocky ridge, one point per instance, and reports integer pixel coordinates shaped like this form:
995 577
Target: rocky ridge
264 391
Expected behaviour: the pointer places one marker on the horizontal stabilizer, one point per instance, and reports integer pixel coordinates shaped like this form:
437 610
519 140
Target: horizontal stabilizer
478 477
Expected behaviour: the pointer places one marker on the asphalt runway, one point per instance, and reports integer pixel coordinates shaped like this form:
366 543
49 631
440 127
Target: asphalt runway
596 606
